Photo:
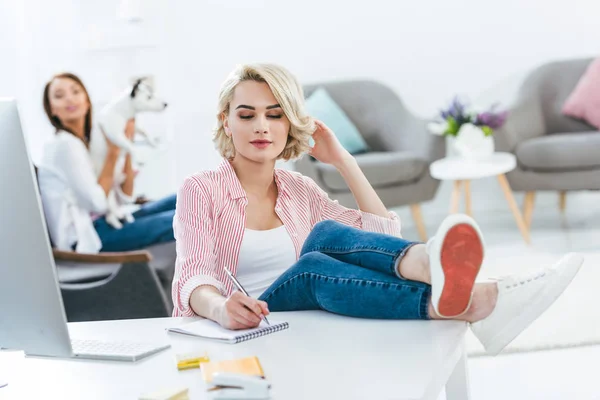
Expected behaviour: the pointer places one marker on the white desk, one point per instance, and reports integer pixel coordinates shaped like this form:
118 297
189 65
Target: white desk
320 356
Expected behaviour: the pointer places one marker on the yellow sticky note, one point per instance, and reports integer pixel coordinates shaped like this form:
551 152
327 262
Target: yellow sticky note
191 360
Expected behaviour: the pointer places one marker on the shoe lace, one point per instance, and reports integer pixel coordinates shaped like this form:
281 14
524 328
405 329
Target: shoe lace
520 279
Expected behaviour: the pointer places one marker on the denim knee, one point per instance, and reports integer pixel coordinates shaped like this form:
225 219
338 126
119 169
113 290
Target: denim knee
320 229
172 199
313 262
161 225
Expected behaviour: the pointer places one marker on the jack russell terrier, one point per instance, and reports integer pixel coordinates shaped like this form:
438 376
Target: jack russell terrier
112 120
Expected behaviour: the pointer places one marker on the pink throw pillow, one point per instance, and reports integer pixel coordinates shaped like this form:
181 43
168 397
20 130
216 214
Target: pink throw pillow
584 102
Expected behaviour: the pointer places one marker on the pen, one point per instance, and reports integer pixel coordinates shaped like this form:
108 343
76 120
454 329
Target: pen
241 289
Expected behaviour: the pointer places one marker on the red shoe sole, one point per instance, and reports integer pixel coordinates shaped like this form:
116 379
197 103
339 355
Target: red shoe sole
461 258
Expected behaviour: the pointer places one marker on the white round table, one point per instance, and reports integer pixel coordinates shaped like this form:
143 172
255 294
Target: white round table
463 170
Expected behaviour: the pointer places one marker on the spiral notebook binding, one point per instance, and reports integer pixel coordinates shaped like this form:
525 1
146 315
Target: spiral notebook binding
264 331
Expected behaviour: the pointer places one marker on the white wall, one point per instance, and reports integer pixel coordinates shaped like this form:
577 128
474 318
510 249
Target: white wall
40 38
38 42
8 34
426 50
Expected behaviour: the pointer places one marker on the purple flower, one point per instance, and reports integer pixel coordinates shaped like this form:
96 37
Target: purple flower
458 113
491 119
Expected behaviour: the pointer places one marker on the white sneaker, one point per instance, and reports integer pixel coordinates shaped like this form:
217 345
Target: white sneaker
455 256
522 298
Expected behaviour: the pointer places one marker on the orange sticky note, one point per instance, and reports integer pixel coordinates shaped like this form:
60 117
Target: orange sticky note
247 366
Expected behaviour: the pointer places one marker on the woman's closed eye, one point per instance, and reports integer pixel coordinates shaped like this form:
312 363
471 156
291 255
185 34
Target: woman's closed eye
274 116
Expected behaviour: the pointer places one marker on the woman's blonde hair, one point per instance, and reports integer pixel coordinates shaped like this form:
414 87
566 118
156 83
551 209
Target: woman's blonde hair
290 97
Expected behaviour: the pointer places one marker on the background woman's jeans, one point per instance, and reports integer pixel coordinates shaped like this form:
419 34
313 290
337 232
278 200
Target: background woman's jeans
348 271
153 224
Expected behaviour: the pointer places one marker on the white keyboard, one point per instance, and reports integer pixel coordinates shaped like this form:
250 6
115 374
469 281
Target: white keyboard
118 351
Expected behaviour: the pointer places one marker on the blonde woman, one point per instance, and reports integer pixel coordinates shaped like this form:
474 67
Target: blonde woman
293 248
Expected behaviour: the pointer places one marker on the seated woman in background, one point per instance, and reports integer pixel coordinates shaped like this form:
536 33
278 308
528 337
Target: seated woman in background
74 198
296 249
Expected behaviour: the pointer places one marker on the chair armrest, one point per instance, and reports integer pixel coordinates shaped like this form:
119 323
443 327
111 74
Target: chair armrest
525 121
420 140
400 130
103 258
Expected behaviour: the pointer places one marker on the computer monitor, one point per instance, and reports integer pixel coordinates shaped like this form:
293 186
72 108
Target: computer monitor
32 316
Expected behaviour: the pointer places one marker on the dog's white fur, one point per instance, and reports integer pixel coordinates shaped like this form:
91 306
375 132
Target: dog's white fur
112 120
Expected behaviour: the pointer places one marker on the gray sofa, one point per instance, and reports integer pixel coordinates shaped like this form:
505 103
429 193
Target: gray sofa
554 152
401 148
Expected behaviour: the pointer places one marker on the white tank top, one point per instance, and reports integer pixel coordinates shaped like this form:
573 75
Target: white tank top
264 256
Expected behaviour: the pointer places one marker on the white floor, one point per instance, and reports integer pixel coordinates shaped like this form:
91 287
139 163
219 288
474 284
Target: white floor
558 374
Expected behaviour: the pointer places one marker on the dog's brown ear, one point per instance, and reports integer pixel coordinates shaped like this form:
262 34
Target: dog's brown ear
136 84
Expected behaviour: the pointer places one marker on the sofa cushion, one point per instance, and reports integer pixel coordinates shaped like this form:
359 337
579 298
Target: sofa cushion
584 102
320 105
382 169
559 152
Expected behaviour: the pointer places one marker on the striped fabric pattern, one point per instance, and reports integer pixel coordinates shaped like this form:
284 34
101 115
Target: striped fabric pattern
210 220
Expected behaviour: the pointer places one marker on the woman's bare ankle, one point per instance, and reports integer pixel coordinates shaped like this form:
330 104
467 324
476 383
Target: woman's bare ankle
414 266
483 303
432 313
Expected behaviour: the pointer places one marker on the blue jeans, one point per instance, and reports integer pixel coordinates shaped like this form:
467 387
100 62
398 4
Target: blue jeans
351 272
153 224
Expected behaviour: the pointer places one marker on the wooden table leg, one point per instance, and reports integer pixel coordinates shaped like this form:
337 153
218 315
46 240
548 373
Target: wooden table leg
562 201
455 197
528 208
468 206
418 218
514 208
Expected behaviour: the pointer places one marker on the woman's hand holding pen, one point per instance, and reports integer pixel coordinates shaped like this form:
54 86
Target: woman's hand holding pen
242 312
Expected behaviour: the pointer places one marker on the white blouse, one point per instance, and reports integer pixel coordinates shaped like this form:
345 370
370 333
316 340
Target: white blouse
264 256
70 194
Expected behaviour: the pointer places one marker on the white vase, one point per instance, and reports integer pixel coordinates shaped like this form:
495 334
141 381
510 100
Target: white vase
450 147
472 143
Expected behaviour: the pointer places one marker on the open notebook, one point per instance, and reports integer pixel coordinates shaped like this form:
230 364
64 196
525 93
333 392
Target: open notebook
211 330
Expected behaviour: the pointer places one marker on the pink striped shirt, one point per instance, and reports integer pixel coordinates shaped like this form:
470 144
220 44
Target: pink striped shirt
210 220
